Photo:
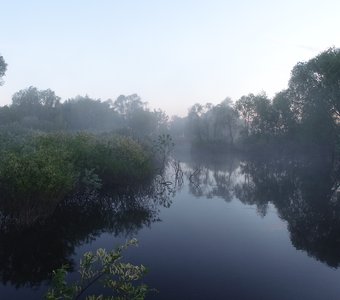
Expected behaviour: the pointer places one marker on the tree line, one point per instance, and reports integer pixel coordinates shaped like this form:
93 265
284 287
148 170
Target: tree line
305 115
51 150
43 110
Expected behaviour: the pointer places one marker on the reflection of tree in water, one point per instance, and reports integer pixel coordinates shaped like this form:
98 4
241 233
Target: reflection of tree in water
302 191
28 254
212 174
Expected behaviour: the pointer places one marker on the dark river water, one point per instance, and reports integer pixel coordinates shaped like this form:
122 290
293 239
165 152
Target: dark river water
228 228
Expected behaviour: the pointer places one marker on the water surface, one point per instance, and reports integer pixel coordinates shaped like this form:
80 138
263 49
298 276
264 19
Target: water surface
235 228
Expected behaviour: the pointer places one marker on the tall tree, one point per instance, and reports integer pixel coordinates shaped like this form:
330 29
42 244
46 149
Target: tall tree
34 97
225 120
316 84
36 108
314 89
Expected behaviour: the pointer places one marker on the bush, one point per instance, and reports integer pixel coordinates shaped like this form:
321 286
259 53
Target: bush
37 171
116 160
34 178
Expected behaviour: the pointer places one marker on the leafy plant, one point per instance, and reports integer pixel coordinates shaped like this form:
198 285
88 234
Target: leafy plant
37 171
122 279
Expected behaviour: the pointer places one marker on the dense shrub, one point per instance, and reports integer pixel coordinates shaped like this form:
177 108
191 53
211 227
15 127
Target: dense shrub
37 171
115 159
33 178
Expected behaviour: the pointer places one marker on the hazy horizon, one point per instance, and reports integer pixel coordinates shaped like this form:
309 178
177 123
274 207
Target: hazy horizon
233 199
171 54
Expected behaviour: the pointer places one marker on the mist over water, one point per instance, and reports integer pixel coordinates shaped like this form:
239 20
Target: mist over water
234 200
245 226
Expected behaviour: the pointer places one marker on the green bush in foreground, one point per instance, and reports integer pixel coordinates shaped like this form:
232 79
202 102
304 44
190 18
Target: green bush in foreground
121 279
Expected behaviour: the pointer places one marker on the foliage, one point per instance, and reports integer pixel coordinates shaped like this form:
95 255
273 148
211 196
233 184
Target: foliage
33 108
314 88
213 124
138 118
84 113
304 116
119 160
43 110
34 177
3 68
32 97
38 170
107 268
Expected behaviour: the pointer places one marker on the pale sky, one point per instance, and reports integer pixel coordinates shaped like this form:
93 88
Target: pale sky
171 53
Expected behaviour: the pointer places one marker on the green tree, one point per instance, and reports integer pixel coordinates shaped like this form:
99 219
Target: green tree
3 69
258 115
314 89
245 106
316 83
199 122
36 109
225 121
286 121
34 97
137 118
125 105
85 113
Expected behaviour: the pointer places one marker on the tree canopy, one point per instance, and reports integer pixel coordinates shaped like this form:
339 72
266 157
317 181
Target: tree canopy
3 68
304 116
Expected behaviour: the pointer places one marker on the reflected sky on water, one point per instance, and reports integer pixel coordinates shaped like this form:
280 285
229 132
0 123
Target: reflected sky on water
235 228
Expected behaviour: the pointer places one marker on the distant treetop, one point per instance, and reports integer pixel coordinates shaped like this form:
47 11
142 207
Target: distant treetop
3 68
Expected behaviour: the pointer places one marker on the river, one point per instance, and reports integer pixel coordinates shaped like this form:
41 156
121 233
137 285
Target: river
225 228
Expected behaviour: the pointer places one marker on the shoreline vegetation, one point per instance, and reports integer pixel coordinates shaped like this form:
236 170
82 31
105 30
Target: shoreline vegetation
39 172
51 151
306 115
